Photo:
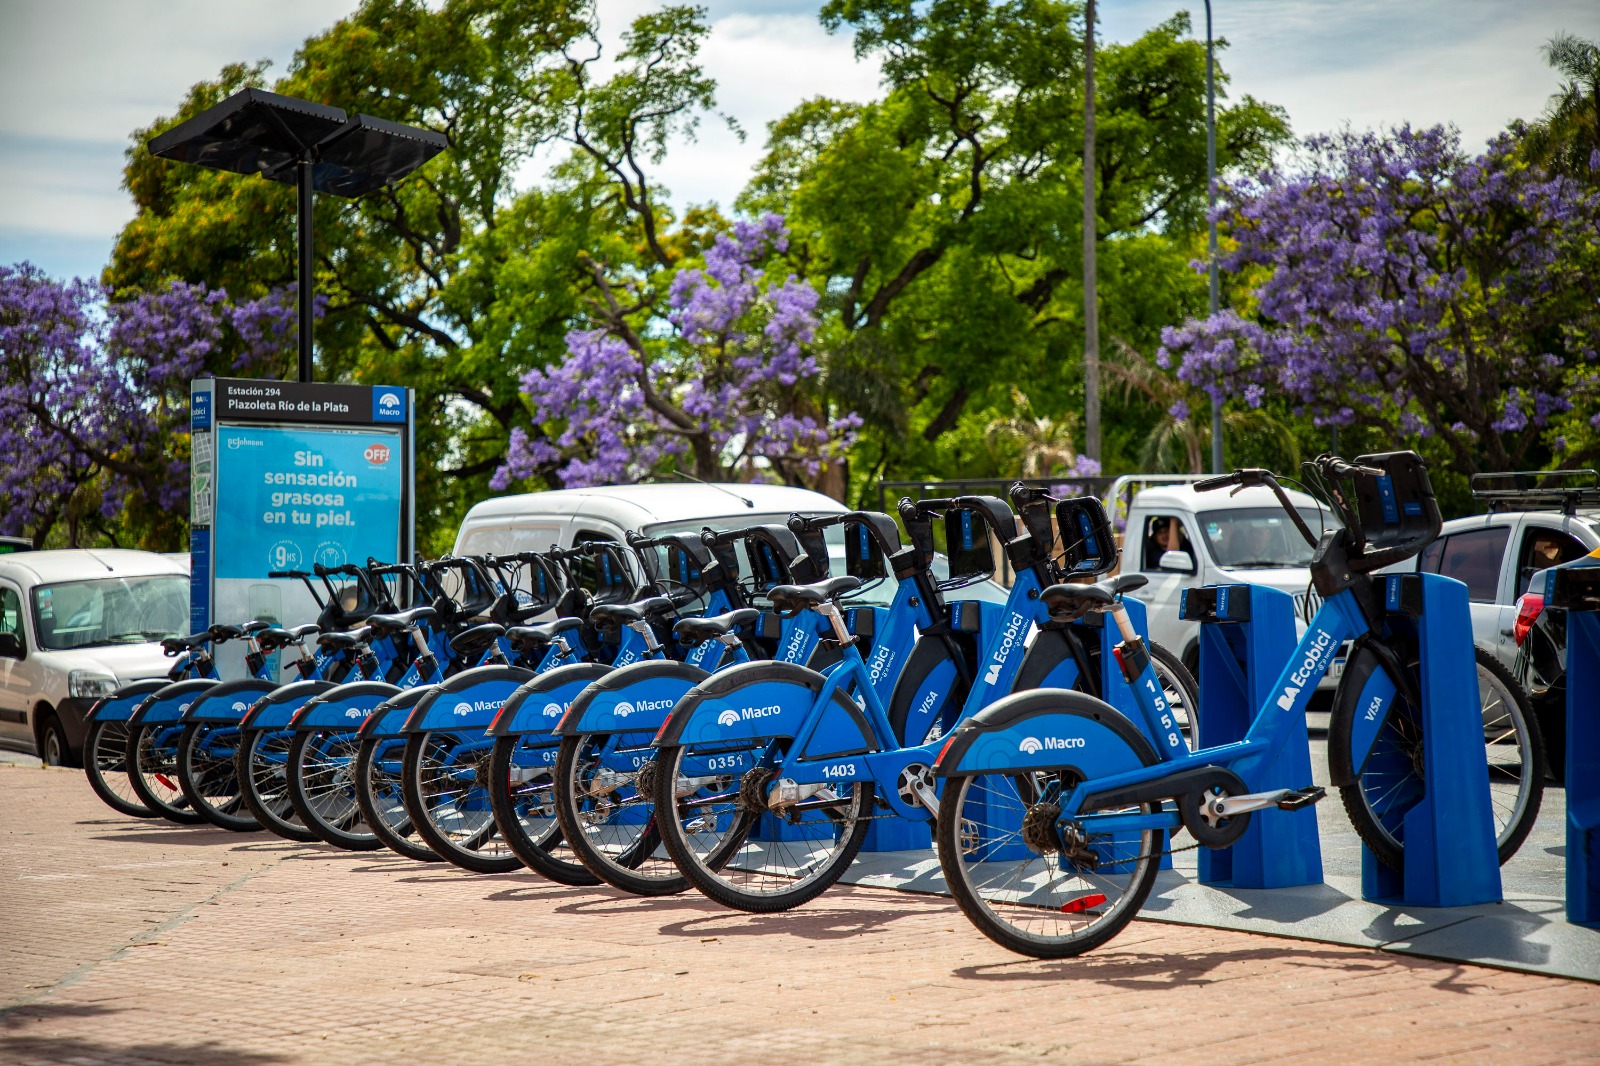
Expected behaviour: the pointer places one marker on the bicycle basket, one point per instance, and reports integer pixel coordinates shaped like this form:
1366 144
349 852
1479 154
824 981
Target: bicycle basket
1396 514
776 558
1088 547
968 547
869 540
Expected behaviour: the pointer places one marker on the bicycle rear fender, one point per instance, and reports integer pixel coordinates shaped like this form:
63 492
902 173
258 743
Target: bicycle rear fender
466 702
274 710
537 705
228 702
756 700
387 717
1048 729
633 699
344 707
121 704
167 703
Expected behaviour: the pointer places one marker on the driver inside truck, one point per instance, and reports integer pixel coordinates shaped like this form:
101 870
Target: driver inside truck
1165 534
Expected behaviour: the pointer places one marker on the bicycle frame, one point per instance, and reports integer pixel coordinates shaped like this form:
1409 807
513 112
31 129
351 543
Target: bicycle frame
1340 618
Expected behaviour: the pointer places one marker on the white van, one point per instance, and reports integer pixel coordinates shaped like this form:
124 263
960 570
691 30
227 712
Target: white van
1180 539
76 625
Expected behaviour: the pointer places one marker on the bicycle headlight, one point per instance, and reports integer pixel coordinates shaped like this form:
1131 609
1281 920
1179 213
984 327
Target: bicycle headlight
90 685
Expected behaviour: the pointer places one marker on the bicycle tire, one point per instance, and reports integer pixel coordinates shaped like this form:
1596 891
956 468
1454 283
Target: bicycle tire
152 762
450 813
1010 904
263 783
793 863
383 806
1371 786
105 764
321 783
538 841
627 858
207 778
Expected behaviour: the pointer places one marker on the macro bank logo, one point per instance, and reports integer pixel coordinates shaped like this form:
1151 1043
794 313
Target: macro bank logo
728 717
1033 745
388 404
554 710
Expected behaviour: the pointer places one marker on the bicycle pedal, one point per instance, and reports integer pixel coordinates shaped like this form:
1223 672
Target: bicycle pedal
1304 797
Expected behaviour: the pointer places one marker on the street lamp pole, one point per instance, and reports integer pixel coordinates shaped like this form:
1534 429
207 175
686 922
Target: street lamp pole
1211 203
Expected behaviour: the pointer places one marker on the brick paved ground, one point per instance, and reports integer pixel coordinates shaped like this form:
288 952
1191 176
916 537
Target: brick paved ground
136 942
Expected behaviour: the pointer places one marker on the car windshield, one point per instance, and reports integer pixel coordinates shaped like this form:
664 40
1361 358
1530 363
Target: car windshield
111 610
1260 538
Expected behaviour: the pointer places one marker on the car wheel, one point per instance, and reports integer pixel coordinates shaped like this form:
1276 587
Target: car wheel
53 747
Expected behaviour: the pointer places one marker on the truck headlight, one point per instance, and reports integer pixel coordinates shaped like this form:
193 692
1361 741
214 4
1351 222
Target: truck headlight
88 685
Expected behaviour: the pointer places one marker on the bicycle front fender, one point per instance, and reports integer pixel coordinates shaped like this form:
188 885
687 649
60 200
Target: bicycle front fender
1046 729
631 699
1361 705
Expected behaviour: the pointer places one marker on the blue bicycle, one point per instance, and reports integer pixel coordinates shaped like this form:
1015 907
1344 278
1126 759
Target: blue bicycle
1057 807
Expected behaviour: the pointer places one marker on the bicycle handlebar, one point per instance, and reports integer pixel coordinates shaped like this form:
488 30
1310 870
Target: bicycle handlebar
1250 476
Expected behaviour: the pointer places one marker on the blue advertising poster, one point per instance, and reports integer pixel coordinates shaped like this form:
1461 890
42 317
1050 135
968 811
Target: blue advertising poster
293 496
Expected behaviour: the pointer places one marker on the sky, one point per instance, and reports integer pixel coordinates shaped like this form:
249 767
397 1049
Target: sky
77 76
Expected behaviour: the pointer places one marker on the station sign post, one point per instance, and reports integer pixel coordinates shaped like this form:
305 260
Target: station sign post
285 475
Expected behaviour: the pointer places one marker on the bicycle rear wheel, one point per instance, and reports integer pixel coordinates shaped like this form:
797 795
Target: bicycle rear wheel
1393 776
523 799
1047 893
728 843
606 818
321 782
105 763
152 760
445 784
262 770
379 769
207 752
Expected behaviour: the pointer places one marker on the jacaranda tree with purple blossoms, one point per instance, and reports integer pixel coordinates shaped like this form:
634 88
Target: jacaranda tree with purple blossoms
94 398
1395 284
714 382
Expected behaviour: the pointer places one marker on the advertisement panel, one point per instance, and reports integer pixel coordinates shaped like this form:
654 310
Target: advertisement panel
285 476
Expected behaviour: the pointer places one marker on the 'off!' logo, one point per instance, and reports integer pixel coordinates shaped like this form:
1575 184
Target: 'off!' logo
377 454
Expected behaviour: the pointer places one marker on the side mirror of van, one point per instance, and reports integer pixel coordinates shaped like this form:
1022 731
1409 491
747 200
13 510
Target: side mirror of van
1179 562
11 647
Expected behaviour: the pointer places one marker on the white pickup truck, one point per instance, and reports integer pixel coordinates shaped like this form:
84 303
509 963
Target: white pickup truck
1180 539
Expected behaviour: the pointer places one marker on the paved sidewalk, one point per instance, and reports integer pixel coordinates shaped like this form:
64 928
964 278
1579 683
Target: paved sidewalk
138 943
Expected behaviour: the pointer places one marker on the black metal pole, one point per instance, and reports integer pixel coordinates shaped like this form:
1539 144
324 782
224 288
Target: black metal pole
304 274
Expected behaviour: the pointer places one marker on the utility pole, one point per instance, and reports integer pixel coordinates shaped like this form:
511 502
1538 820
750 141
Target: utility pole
1211 203
1091 300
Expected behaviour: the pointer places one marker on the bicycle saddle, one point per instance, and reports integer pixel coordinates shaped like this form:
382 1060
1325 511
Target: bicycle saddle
220 633
400 620
274 638
619 614
255 626
692 631
1064 599
539 636
176 645
352 638
790 598
474 640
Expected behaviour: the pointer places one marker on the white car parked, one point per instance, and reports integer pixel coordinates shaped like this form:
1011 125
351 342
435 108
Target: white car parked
1181 539
76 625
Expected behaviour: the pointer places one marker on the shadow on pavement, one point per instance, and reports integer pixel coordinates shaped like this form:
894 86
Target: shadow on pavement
815 924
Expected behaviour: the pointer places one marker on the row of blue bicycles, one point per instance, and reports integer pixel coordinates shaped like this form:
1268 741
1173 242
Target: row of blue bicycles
740 711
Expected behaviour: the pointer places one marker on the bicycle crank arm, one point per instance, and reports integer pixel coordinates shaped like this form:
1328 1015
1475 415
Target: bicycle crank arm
1288 799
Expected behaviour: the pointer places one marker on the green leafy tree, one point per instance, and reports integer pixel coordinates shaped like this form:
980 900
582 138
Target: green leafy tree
1566 138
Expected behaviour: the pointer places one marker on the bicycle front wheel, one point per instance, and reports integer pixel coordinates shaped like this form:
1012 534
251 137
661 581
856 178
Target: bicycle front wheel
1393 776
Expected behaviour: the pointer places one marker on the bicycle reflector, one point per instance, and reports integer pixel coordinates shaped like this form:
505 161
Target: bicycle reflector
1083 903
